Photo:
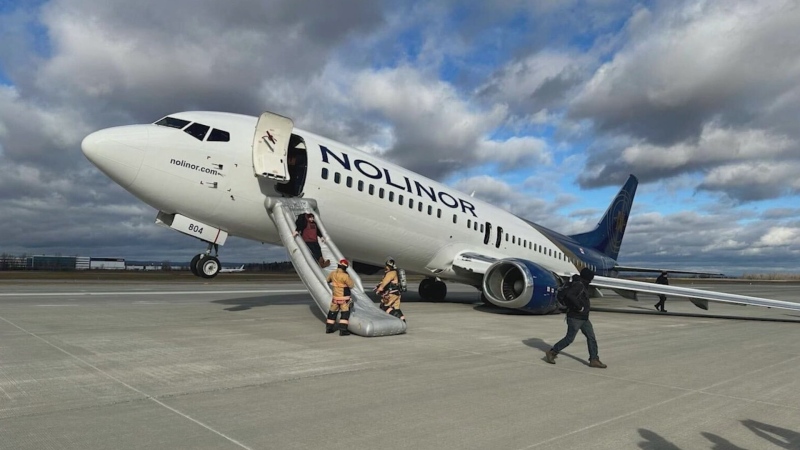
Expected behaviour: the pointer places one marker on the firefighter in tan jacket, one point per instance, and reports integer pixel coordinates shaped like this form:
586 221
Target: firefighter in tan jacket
389 290
341 283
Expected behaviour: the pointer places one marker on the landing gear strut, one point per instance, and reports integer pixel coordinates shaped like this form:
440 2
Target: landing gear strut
432 289
204 265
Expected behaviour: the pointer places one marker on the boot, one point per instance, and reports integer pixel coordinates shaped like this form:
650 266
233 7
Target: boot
323 262
343 331
597 364
329 328
550 356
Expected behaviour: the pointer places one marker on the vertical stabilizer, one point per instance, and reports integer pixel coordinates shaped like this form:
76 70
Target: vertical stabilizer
607 235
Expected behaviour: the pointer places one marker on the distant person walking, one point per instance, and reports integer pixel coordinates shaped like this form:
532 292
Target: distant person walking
577 301
662 279
306 227
341 283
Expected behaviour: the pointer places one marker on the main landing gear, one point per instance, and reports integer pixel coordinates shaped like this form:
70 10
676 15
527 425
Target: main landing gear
432 289
204 265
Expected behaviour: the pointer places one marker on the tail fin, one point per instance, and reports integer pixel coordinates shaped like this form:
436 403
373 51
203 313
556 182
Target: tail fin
607 235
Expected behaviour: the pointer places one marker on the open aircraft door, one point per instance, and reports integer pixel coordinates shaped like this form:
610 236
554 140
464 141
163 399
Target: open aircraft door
270 144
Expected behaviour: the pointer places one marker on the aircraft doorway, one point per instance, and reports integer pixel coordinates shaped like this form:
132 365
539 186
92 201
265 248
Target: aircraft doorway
297 165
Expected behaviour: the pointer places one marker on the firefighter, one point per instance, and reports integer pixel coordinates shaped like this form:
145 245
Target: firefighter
389 290
341 283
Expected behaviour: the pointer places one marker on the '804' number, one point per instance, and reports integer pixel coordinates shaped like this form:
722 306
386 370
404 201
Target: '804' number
195 228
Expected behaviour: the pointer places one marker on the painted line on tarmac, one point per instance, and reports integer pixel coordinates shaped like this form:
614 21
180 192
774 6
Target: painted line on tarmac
138 391
89 294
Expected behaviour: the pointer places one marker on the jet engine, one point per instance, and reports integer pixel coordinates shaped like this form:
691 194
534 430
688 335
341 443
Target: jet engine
521 284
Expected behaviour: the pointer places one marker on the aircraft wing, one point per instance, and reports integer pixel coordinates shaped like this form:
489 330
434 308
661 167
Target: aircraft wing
472 262
630 289
649 270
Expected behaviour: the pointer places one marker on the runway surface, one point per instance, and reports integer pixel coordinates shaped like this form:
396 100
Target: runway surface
209 365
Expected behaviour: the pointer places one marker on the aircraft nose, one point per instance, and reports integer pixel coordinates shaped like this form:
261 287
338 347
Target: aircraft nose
118 152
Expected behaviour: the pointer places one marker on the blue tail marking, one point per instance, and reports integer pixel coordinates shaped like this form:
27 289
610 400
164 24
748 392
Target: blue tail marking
607 235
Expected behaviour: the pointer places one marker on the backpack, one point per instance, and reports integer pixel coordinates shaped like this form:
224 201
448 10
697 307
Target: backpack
561 293
402 283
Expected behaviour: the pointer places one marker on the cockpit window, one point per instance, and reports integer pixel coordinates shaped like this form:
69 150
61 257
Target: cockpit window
219 136
198 130
173 122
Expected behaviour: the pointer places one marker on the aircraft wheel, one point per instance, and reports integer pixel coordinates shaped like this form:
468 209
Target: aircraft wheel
208 267
438 291
425 288
193 265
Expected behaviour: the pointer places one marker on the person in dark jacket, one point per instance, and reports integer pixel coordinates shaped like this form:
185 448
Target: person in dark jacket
306 227
662 279
577 302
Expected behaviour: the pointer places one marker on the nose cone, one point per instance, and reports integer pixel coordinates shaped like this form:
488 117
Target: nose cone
118 152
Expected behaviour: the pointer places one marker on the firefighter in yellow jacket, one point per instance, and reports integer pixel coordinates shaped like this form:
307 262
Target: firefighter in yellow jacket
341 283
389 290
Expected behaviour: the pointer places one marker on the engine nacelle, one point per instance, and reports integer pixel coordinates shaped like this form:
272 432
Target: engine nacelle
521 284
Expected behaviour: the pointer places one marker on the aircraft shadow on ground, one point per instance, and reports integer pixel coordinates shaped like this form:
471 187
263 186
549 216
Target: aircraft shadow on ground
544 346
777 436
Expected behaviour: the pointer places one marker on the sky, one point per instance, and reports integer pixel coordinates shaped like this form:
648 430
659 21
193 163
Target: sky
542 107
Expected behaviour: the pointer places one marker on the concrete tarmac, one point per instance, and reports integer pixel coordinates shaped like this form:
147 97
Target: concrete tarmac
211 365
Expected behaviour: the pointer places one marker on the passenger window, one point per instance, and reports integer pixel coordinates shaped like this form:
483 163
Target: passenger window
469 223
219 136
324 173
371 189
475 226
337 178
481 228
411 203
400 199
172 122
197 130
360 186
513 239
349 182
455 218
419 206
391 196
380 193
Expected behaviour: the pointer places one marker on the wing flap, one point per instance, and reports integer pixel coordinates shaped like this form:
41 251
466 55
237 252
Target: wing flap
697 296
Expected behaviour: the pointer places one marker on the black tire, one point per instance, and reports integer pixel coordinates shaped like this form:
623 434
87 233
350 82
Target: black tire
208 267
438 291
425 288
193 265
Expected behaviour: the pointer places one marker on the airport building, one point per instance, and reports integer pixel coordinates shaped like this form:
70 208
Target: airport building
51 262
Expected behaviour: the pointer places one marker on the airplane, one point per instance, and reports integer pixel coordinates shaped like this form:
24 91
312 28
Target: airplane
227 269
215 174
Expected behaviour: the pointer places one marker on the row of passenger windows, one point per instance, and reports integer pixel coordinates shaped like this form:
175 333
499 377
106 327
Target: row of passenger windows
371 189
383 193
196 129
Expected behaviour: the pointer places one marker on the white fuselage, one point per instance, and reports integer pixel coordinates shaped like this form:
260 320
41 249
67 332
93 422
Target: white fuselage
214 183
